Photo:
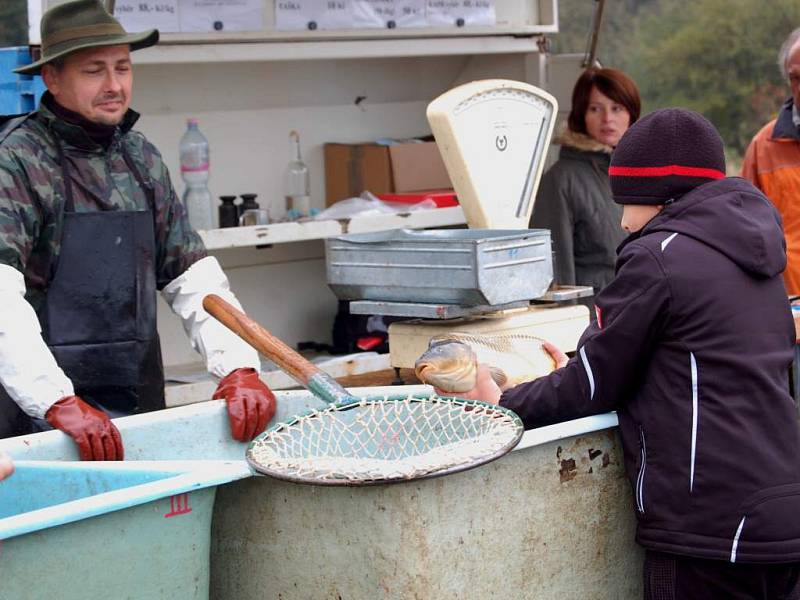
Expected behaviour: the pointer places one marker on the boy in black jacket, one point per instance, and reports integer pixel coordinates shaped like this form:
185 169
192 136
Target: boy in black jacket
692 346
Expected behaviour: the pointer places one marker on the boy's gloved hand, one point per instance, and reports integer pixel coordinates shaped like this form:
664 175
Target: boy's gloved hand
250 402
94 433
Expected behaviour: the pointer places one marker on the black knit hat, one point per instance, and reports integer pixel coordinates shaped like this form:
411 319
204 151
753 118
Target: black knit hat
665 155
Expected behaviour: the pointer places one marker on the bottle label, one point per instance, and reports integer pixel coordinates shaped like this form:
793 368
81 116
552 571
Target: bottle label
301 204
185 169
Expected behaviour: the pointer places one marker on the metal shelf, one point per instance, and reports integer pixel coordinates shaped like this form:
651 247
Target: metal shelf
334 48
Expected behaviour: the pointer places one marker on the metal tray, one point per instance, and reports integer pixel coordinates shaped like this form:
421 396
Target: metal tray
468 267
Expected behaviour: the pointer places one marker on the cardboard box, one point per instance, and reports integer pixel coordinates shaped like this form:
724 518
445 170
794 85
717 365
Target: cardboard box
417 167
351 169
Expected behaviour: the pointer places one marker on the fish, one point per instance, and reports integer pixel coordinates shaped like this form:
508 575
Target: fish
451 361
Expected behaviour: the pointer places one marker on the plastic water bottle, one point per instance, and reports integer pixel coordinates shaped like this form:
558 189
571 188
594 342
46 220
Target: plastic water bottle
194 157
298 194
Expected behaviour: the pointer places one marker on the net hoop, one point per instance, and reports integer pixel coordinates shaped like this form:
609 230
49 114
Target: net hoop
379 439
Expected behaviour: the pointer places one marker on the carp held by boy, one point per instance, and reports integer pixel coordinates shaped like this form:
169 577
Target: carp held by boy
451 361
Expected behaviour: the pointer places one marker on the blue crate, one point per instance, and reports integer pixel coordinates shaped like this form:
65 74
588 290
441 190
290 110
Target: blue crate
18 93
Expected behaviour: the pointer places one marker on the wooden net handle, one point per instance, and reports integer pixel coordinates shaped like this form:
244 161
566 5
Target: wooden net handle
262 340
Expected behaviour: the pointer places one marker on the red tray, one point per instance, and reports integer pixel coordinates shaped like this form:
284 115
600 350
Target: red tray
442 198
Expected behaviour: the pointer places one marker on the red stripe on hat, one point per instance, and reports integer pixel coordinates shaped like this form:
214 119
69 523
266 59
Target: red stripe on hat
667 170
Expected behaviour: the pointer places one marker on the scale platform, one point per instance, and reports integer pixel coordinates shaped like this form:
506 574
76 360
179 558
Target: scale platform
561 325
425 311
442 310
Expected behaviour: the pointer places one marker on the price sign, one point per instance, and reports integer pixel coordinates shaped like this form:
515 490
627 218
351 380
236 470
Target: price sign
140 15
388 13
411 13
373 13
460 13
336 14
290 15
309 15
221 15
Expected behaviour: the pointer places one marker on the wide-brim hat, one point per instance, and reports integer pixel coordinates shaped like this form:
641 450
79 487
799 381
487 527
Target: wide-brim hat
81 24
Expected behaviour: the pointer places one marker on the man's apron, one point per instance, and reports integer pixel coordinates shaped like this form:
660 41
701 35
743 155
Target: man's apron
99 313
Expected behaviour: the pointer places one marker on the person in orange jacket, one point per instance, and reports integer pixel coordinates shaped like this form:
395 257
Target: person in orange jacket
772 161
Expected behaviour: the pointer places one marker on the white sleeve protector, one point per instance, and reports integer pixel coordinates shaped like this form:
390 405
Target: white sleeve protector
28 369
222 349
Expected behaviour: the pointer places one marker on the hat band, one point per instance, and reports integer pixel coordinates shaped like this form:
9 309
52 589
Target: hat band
75 33
666 171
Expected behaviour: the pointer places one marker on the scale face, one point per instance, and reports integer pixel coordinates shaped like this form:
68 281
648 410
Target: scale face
493 136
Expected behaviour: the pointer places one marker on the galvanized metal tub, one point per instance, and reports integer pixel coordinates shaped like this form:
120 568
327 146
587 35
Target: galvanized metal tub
550 521
469 267
553 519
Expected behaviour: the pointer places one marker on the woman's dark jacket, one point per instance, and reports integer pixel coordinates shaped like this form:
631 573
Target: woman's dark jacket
574 202
692 347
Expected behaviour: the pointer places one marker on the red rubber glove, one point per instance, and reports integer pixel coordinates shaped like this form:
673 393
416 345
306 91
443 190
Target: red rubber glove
251 404
92 430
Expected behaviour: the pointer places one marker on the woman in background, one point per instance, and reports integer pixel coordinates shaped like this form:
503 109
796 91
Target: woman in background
574 199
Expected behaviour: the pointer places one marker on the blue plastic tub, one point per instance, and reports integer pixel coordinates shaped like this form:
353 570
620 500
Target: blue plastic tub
138 529
109 529
18 93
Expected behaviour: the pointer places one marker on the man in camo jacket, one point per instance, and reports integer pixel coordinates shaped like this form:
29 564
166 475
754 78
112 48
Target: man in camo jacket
90 229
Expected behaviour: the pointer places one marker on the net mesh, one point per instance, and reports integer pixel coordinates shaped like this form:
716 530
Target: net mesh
385 439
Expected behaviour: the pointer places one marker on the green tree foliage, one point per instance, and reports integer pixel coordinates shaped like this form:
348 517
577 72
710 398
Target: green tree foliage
718 57
13 23
620 20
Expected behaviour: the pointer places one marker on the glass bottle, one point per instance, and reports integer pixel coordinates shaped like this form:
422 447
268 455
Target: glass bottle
298 188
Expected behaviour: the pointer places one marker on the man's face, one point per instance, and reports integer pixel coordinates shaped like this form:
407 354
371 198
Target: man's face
793 70
95 83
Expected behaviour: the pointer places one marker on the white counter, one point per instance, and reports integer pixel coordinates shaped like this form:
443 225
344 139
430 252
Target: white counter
278 233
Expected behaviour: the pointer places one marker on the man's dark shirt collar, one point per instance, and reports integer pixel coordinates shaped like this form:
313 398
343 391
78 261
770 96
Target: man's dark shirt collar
78 130
784 124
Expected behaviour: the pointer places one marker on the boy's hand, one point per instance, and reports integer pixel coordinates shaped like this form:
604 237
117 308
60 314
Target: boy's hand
485 390
559 357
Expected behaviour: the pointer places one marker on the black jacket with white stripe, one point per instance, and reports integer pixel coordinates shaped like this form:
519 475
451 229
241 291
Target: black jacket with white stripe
692 347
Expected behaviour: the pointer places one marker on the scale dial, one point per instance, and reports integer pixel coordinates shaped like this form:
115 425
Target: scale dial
493 136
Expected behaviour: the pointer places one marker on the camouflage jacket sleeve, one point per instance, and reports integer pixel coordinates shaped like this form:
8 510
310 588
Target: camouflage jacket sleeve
23 219
177 245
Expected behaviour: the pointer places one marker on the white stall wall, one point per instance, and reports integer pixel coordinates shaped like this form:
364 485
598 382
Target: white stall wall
247 110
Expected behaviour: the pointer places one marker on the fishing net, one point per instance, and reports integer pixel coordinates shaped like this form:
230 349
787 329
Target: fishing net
385 439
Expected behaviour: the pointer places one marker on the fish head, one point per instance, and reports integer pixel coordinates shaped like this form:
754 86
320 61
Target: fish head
448 365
